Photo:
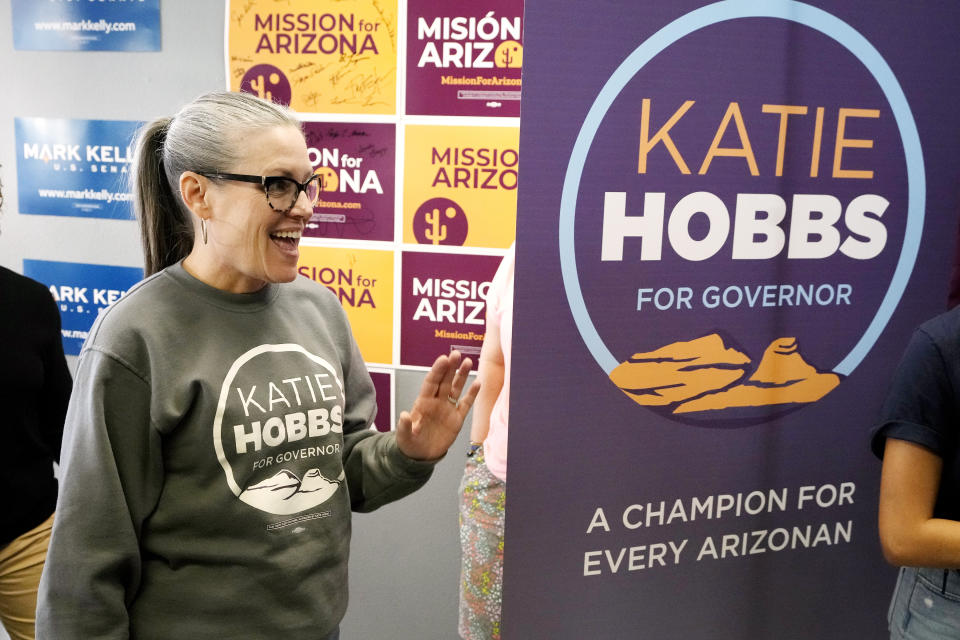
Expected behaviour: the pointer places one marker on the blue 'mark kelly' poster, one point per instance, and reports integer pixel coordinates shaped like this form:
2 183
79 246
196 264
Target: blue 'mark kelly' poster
86 25
81 291
731 216
74 167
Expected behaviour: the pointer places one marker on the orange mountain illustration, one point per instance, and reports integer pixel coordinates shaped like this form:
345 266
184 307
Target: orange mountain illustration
782 377
680 371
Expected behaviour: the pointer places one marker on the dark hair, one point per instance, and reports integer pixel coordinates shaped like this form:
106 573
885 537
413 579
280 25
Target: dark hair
201 137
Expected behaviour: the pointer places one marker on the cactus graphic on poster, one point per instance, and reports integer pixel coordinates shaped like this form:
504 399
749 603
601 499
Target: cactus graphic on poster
267 82
509 55
440 221
435 233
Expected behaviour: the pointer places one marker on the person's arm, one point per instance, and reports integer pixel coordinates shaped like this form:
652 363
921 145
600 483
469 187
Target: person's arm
56 382
490 373
913 438
909 533
491 369
377 472
434 421
111 474
383 467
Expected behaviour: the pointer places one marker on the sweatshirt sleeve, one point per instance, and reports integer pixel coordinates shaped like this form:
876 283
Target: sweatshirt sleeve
377 472
111 477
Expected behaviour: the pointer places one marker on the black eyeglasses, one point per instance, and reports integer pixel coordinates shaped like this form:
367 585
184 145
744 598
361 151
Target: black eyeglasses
282 192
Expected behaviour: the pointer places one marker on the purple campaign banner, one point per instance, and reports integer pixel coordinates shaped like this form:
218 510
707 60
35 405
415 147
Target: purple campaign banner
81 291
443 305
356 163
74 167
731 217
86 25
464 58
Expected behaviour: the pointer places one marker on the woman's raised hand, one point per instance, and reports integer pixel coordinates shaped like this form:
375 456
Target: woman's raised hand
432 424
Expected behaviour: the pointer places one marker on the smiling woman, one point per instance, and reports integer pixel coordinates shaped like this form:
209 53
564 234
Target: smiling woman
253 226
219 433
182 185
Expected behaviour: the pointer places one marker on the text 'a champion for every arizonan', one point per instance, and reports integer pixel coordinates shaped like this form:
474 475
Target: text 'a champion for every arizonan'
725 545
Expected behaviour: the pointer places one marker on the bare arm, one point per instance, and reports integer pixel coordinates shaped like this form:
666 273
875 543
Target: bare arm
909 534
490 374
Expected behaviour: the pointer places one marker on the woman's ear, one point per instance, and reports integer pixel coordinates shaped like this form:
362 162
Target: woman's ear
193 190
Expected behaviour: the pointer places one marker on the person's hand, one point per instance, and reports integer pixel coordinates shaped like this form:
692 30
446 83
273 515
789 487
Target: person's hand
432 424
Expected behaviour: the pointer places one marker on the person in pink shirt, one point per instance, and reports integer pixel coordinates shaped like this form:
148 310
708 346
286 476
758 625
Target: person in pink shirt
482 490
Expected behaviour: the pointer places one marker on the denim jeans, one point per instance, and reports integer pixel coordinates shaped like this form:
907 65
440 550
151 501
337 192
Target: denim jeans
925 605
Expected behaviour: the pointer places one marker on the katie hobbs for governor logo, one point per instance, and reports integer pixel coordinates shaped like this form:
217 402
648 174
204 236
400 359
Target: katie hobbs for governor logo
744 232
278 430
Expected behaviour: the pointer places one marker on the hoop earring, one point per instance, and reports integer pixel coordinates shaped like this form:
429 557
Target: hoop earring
203 229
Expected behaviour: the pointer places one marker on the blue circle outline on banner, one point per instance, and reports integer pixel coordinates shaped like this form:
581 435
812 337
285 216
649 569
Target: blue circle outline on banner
683 26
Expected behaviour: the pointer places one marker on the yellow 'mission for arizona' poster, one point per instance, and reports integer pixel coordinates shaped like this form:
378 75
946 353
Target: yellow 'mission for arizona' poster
460 185
318 57
362 280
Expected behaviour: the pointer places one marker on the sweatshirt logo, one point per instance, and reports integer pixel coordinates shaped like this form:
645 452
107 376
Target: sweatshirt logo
278 430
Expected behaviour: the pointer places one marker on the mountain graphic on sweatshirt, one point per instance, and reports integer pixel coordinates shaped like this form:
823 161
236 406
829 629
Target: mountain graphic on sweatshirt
284 493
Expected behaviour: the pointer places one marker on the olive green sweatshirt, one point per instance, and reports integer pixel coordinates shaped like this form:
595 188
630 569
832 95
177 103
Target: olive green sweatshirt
214 447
